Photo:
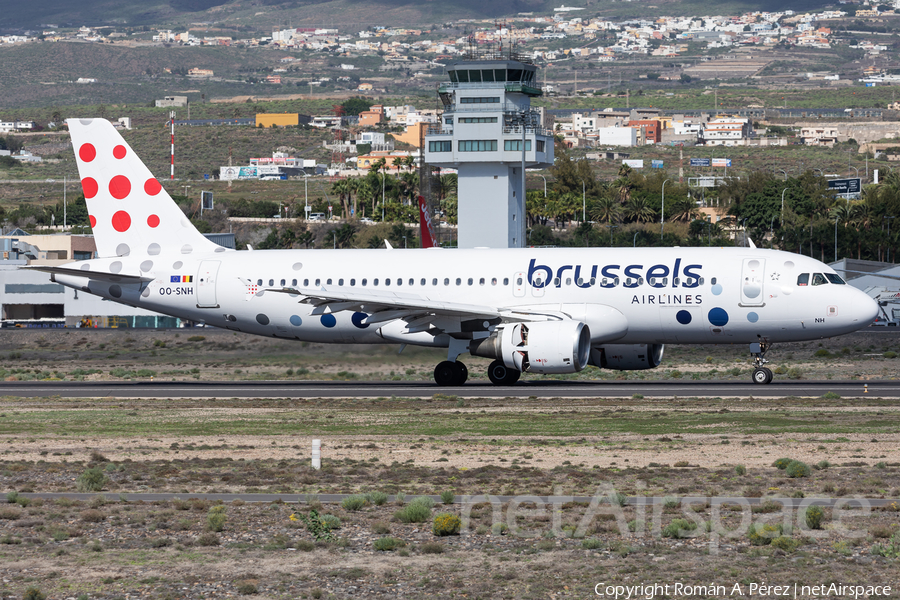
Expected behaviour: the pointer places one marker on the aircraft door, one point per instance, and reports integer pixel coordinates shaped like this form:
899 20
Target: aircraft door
206 284
752 280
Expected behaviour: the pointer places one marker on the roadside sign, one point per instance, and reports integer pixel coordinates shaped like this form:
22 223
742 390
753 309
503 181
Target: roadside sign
656 164
845 186
721 162
634 164
700 162
206 198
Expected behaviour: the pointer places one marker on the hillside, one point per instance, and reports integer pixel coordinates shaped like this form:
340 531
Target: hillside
262 15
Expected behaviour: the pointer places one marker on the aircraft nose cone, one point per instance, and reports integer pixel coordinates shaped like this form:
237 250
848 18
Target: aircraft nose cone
866 309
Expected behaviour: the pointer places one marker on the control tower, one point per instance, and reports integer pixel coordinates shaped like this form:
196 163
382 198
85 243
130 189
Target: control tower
490 134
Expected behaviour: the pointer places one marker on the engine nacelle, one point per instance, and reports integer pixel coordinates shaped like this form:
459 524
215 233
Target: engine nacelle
627 357
545 347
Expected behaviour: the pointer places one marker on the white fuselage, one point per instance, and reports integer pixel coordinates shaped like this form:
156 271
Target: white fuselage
666 295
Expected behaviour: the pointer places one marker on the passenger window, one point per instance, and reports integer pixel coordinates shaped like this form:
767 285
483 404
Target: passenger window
640 281
341 281
294 282
568 281
819 279
616 281
652 280
518 281
603 281
676 281
318 282
434 281
481 281
352 282
446 281
665 281
494 281
833 278
713 281
283 282
387 281
471 281
399 281
593 280
259 282
375 282
328 282
506 281
538 282
364 282
412 281
701 281
271 282
422 282
556 281
580 282
306 283
458 281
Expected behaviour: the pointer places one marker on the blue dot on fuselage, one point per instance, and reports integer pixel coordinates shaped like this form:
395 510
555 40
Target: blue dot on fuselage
328 320
683 317
752 317
357 319
716 289
718 316
296 321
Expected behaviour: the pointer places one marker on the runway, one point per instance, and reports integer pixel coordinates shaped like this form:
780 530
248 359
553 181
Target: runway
378 389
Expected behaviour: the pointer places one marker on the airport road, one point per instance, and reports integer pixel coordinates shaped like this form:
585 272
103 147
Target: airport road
409 389
336 498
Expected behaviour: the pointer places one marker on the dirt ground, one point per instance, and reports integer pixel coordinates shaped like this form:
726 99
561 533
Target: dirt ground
440 444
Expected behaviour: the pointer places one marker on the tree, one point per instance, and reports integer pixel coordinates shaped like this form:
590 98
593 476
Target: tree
606 210
639 210
354 106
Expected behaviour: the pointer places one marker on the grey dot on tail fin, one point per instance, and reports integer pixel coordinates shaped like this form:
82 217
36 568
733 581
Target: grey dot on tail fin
187 249
123 250
146 265
153 249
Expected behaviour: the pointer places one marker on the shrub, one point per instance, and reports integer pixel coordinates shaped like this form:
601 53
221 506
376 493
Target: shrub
388 544
354 502
377 498
671 502
432 548
785 543
890 549
831 396
245 589
381 528
447 497
9 512
795 373
33 593
317 525
330 521
425 501
208 539
814 516
305 546
763 536
92 480
797 468
414 512
591 544
740 470
822 353
823 464
446 524
215 518
679 528
781 463
890 354
92 516
617 499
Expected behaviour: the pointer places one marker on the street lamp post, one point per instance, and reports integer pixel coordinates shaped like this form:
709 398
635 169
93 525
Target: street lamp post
634 240
334 233
583 203
662 212
835 238
785 173
782 205
306 192
889 219
821 172
611 227
545 184
383 175
855 169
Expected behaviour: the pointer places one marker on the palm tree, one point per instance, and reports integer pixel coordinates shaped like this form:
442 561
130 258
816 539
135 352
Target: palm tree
684 209
447 185
398 163
409 162
409 184
342 188
606 210
639 210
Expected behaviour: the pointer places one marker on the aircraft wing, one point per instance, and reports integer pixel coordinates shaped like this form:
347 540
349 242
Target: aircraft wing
98 275
386 305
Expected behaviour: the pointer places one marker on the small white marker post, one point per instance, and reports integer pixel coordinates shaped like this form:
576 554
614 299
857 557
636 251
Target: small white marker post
317 454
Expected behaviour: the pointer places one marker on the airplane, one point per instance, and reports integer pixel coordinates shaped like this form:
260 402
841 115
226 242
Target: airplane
531 310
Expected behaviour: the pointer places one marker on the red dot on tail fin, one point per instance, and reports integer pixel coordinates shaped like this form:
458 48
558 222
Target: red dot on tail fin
153 221
89 187
121 221
93 220
119 187
87 152
152 187
119 151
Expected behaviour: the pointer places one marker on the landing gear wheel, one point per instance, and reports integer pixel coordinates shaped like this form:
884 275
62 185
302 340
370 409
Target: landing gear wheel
762 376
500 374
769 372
450 373
462 372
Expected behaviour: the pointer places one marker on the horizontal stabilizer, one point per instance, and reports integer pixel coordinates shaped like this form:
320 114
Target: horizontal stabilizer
97 275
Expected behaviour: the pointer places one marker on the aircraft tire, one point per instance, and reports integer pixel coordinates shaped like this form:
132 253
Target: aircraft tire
500 374
446 373
769 373
462 372
761 376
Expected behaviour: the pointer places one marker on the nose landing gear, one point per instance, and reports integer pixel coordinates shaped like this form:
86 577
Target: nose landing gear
761 374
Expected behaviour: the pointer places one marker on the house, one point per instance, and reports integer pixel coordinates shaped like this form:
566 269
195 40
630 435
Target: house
197 72
819 136
372 117
172 101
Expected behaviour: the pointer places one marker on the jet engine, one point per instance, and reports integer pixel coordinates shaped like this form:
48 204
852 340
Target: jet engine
540 347
627 357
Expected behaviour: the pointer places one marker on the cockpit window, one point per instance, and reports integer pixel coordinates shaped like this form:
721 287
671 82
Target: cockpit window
834 278
803 279
819 279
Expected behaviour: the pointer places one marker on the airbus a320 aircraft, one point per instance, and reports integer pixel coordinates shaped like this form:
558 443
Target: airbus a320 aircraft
531 310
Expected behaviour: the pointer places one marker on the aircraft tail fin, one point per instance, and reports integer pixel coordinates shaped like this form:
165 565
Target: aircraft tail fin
130 212
428 237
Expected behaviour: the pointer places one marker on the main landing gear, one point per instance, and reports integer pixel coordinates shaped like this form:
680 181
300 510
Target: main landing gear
500 374
450 372
761 374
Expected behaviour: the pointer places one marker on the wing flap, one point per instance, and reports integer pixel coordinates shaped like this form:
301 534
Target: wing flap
97 275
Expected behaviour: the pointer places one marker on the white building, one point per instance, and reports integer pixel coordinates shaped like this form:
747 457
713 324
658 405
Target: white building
726 131
616 136
490 134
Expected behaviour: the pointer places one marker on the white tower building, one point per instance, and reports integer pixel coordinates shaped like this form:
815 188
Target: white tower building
490 134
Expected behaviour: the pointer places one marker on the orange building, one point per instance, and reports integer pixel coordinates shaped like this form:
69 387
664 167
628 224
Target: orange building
651 131
372 117
413 135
